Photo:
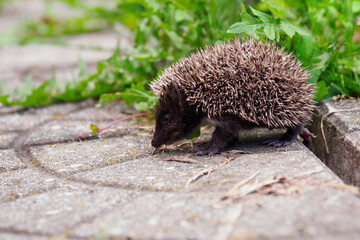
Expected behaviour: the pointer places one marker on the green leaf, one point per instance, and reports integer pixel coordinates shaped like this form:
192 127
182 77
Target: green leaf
182 16
290 29
94 129
306 49
321 90
247 18
277 7
101 66
176 39
142 106
195 134
4 100
269 31
324 58
265 18
108 97
242 27
352 85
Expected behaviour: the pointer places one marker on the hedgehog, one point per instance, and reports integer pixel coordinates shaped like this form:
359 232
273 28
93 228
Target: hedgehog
239 84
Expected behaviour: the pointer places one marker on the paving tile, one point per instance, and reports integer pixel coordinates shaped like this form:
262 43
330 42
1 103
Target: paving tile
28 119
9 161
26 182
70 158
7 138
56 212
162 216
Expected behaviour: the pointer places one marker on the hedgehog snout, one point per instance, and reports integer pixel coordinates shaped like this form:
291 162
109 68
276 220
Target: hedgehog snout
155 144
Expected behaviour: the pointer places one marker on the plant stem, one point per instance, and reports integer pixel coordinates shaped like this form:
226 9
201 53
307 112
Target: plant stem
114 123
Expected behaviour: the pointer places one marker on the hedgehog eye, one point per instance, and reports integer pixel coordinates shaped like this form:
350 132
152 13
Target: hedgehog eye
167 118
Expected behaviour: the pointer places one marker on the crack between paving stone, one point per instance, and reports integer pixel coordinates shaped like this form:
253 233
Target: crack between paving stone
116 134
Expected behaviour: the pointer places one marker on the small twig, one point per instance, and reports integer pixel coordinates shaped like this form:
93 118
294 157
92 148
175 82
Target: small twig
206 172
246 186
209 170
322 124
235 188
353 189
114 123
181 159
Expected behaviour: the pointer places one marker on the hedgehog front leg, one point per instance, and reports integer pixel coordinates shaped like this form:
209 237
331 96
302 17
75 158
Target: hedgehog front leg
290 136
221 137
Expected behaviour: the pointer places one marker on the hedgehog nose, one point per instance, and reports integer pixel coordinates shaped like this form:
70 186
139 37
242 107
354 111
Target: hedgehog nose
155 144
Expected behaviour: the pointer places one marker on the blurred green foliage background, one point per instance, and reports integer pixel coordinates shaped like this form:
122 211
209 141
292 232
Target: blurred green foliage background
324 34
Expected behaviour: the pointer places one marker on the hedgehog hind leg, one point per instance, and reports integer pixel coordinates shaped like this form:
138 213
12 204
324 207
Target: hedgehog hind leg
222 137
307 136
290 136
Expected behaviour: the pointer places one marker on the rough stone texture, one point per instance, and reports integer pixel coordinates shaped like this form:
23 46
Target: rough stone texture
342 133
9 161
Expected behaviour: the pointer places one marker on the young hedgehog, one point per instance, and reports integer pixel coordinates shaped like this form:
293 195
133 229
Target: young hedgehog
237 85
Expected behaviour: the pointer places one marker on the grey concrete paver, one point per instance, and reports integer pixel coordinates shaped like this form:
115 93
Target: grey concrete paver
43 62
26 182
309 215
9 161
6 139
69 158
164 216
23 236
141 174
342 134
55 212
25 120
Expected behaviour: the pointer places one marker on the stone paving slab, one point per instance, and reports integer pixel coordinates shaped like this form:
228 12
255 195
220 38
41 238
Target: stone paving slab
9 161
342 133
55 212
23 120
45 61
315 214
6 139
26 182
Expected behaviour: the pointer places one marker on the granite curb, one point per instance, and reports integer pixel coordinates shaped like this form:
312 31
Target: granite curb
337 141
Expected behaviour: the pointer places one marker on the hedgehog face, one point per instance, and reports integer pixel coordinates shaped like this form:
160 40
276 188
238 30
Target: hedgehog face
169 126
175 119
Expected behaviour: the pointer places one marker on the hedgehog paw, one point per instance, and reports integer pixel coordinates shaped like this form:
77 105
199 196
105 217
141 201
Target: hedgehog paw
207 151
278 142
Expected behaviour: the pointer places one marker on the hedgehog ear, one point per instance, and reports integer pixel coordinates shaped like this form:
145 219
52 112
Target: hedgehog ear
175 96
